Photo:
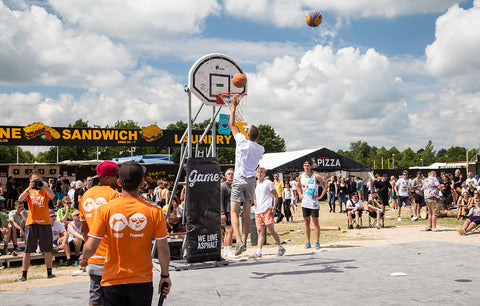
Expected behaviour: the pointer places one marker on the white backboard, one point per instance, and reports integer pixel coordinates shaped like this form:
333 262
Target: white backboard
211 75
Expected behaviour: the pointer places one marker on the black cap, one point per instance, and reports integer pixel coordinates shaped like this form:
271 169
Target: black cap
131 172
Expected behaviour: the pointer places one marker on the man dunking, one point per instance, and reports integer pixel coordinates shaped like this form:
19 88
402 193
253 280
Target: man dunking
247 155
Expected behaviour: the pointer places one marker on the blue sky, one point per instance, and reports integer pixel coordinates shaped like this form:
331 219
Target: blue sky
391 73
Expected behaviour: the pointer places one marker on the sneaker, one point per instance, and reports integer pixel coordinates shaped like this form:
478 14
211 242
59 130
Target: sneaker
281 251
357 227
21 279
414 218
230 254
461 231
378 225
14 253
307 245
240 248
317 245
428 229
255 256
350 226
399 219
51 276
17 249
436 230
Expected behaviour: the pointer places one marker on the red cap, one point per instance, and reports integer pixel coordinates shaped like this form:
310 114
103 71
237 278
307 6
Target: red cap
107 168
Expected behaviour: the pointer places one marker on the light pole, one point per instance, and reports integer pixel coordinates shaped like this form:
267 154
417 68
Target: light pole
393 161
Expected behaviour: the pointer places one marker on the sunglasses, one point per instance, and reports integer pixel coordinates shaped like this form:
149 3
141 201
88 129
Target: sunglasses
76 215
53 216
90 180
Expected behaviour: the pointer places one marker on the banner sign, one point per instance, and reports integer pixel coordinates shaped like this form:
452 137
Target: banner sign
38 134
203 241
223 124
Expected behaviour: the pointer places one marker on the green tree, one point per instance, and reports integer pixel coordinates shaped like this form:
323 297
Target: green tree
270 140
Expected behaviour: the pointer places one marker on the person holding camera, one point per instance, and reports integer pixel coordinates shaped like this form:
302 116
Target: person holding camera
38 229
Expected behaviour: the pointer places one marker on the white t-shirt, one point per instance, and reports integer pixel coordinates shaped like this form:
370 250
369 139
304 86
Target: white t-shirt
77 229
469 181
293 184
403 187
309 187
264 196
287 193
247 155
57 229
358 204
71 194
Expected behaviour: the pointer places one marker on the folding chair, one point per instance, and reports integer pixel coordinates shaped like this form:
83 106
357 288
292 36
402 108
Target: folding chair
372 219
476 229
354 222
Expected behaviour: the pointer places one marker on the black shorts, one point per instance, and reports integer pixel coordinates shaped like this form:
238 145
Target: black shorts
474 219
38 235
128 294
418 198
228 222
308 212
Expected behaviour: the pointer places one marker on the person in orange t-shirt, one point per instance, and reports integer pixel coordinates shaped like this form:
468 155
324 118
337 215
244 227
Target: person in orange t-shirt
38 231
129 224
92 199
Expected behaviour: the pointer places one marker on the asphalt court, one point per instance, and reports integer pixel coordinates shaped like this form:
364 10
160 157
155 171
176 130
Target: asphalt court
424 273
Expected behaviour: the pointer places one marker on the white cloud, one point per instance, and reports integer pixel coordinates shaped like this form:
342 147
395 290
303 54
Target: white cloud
285 13
137 19
453 56
327 96
36 48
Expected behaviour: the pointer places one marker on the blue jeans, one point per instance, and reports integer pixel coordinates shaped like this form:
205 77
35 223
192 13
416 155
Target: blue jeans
342 198
331 200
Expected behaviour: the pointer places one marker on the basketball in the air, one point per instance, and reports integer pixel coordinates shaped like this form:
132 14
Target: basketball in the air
239 80
313 19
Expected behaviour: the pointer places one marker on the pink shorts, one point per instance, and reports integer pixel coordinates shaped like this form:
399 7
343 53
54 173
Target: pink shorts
264 218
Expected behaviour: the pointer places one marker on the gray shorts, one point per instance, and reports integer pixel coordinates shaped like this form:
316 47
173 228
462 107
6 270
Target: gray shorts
243 189
96 291
38 235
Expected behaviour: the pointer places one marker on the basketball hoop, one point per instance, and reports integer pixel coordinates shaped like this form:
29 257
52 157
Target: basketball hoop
226 99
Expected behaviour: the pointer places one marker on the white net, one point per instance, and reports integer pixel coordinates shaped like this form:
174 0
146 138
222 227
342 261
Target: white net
226 98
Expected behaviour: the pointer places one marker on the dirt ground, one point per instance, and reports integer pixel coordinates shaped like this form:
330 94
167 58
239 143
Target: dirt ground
365 237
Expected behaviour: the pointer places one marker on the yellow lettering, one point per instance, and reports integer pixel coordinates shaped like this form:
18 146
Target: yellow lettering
97 134
87 134
66 134
132 135
17 133
122 135
108 134
176 139
227 139
76 134
5 133
219 139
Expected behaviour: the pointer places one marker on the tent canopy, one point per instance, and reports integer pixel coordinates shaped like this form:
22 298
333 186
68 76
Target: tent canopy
147 159
326 160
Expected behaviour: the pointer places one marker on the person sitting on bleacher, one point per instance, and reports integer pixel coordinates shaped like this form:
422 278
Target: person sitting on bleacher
75 234
375 208
354 207
5 231
60 238
17 218
473 219
64 214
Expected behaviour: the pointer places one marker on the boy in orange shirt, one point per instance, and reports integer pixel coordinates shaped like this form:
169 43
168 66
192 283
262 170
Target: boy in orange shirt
38 230
128 224
92 199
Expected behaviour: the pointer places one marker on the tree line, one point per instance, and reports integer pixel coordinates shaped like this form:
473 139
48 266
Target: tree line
269 139
383 158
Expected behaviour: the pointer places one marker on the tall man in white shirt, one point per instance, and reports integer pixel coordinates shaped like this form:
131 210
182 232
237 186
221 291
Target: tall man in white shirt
247 155
403 188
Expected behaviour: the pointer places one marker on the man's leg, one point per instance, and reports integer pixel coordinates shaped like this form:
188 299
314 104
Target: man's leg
350 220
316 227
235 213
48 260
228 235
307 228
261 234
470 227
357 217
271 230
246 220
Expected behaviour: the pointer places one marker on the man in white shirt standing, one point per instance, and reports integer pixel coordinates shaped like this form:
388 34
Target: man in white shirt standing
247 155
265 200
403 187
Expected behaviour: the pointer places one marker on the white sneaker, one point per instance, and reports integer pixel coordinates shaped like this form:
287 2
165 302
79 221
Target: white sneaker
378 225
281 251
399 219
414 218
230 254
